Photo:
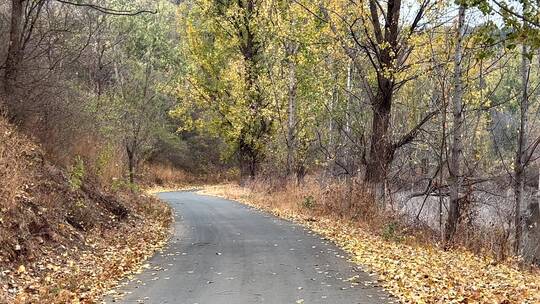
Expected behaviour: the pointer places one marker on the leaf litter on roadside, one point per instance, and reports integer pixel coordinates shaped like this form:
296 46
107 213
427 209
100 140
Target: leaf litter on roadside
414 273
83 275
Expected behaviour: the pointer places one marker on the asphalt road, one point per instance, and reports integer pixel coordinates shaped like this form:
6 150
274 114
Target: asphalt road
223 252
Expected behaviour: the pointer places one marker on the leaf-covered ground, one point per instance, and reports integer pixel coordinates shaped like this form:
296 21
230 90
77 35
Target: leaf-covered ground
413 272
83 274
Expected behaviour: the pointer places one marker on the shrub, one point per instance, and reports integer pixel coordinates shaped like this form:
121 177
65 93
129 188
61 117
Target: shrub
309 202
76 174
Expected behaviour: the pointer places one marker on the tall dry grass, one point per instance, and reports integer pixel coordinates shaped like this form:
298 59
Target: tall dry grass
15 152
165 175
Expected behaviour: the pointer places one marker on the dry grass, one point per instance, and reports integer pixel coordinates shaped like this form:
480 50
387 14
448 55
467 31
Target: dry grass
410 267
168 177
15 152
163 175
344 201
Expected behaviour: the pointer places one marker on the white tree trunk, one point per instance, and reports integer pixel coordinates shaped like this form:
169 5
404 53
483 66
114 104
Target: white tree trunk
291 48
520 162
454 163
347 159
291 121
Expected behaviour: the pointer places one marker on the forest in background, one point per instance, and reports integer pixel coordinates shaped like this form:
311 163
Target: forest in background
94 83
424 111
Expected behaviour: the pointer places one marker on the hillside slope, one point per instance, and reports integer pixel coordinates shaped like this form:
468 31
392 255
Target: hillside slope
62 238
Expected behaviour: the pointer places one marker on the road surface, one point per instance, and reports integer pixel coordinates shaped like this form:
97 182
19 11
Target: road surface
223 252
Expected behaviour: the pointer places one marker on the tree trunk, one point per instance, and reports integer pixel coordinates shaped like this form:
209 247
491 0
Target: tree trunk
381 150
131 163
248 161
291 49
348 157
454 163
350 71
331 154
331 151
442 151
520 161
14 53
258 126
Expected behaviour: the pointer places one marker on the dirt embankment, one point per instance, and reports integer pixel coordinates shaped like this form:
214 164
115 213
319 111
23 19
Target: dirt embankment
63 239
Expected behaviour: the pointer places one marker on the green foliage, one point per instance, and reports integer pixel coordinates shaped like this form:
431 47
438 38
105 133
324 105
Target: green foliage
119 184
224 91
76 174
390 232
309 202
144 60
520 20
80 204
243 99
104 159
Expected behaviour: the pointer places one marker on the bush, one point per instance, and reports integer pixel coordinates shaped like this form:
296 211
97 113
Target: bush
390 232
76 174
309 202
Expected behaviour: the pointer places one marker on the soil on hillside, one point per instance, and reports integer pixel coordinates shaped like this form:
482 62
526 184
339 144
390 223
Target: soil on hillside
67 241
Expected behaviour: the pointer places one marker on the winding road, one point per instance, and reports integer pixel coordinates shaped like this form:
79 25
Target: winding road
223 252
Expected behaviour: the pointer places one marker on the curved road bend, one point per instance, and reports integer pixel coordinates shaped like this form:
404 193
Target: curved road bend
227 253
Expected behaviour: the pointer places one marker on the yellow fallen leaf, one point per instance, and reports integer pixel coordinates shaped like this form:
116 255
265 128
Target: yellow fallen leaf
21 269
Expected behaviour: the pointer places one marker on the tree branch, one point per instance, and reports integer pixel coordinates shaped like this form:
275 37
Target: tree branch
106 10
407 138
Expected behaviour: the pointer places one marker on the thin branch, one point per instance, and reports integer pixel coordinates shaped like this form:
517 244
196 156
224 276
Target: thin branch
107 10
